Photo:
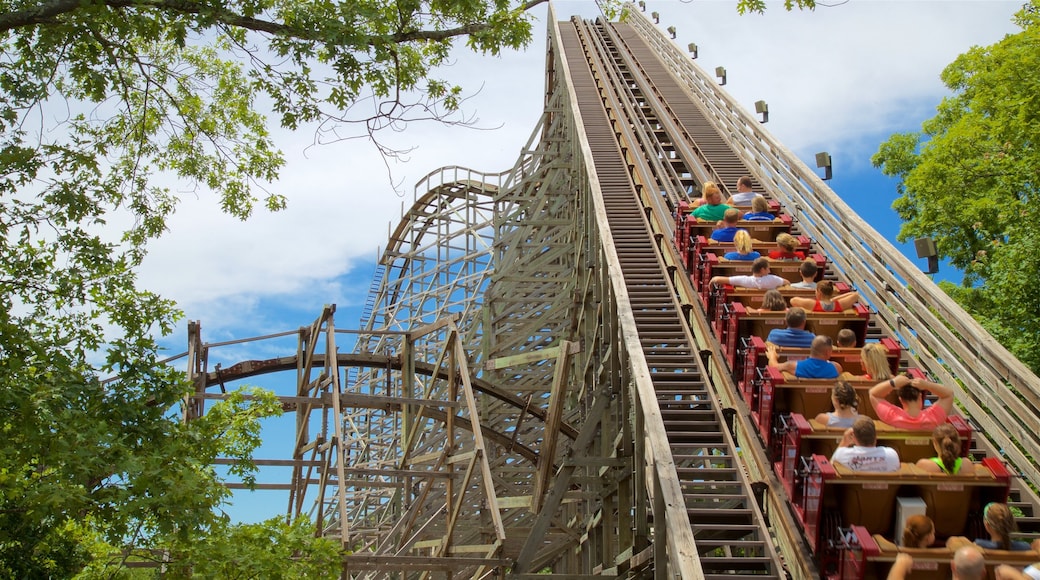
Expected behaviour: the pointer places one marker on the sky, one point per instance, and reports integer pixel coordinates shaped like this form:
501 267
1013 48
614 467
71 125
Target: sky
839 79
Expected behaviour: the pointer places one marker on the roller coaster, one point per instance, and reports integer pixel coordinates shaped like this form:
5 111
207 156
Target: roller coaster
544 383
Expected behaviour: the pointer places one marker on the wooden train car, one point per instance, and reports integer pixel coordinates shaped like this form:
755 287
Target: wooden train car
847 516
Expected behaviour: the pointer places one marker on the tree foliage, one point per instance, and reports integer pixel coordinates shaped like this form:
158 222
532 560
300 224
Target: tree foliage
759 6
107 105
969 179
270 549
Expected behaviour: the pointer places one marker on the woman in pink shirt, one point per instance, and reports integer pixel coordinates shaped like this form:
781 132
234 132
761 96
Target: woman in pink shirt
912 414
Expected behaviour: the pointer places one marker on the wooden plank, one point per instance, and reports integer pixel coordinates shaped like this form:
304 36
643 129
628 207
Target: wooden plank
570 347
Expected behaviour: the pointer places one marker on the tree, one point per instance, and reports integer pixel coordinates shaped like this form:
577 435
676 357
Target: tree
969 180
105 104
270 549
759 6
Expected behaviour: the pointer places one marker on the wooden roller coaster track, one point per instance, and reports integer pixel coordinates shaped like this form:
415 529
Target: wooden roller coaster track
535 388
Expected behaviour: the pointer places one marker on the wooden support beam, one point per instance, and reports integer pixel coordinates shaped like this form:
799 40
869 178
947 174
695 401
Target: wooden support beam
569 347
358 562
547 453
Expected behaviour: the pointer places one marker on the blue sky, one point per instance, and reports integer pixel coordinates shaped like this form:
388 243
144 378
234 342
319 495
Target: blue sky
840 79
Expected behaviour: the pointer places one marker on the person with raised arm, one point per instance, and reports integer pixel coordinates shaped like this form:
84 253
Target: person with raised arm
825 300
911 413
760 277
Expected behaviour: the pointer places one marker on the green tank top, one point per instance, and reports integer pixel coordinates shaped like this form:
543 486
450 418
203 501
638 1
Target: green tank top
956 465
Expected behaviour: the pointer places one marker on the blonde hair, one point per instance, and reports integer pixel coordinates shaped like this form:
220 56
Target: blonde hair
710 189
1000 522
759 204
918 527
742 241
787 241
875 361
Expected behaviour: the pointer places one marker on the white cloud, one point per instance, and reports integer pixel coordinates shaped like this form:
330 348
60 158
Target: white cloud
835 73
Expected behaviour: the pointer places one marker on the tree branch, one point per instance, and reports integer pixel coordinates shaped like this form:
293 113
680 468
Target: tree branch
48 12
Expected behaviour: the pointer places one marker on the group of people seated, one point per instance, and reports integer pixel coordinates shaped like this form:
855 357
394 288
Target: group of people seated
825 300
712 205
969 561
858 449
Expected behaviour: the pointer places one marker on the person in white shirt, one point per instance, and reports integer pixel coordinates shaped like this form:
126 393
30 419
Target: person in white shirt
744 194
760 277
859 450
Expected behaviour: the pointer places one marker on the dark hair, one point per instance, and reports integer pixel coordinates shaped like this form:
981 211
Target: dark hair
808 268
948 441
774 301
909 392
845 395
744 180
759 265
825 288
